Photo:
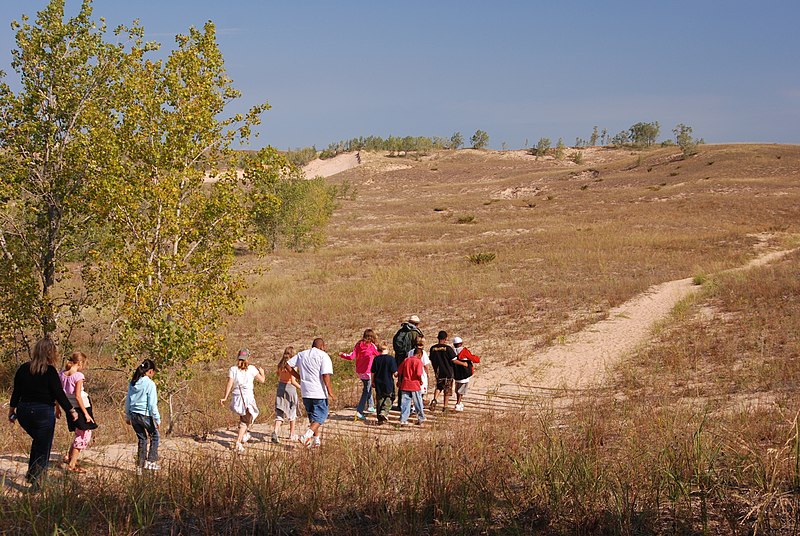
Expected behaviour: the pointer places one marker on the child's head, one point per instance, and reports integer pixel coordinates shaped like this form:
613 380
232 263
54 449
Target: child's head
418 352
243 359
144 367
288 352
383 347
369 336
77 359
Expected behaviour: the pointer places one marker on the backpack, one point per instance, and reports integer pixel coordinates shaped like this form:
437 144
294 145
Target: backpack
403 341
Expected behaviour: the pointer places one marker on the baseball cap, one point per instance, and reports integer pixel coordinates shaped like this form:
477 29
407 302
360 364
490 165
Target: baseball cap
457 340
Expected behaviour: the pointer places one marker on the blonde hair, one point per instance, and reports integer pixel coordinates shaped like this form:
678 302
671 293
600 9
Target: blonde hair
288 352
369 336
382 346
44 355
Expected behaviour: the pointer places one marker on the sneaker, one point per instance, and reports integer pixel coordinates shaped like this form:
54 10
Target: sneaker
382 419
359 417
138 470
152 466
246 437
371 410
315 444
306 439
274 437
238 447
459 407
293 437
432 406
403 423
419 423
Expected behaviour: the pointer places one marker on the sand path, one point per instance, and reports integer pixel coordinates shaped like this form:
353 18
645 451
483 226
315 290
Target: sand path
581 362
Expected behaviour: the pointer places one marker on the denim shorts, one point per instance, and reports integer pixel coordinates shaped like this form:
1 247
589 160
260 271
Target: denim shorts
317 409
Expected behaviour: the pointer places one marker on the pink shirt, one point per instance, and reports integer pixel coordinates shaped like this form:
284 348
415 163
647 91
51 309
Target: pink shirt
364 352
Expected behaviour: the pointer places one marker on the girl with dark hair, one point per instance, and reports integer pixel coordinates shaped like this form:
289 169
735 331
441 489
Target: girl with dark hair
36 390
141 412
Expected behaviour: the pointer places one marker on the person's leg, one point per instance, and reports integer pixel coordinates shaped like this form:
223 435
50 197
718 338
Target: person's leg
418 403
139 427
366 390
405 406
81 441
291 428
278 424
447 392
39 421
155 438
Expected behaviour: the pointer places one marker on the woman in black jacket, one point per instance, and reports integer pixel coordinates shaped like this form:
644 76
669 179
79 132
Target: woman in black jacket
36 389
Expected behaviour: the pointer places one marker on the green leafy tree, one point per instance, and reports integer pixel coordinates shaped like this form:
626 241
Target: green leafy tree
684 139
560 149
542 146
456 140
644 134
169 261
284 208
54 145
593 137
480 139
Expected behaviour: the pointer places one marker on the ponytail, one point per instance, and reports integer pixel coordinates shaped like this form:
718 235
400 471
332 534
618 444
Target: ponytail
145 366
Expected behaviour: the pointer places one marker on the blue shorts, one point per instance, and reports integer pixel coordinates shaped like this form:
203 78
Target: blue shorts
317 409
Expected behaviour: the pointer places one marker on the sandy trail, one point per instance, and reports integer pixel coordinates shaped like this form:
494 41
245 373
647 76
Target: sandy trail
581 362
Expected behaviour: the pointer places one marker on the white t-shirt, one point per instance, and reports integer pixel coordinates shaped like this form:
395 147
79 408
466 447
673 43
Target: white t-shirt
312 364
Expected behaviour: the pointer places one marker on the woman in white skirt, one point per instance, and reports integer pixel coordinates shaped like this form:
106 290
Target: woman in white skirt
243 400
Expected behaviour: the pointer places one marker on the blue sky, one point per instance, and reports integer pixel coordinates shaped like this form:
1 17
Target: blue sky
519 70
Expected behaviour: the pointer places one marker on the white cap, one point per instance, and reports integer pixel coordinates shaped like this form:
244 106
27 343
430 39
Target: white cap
414 319
457 340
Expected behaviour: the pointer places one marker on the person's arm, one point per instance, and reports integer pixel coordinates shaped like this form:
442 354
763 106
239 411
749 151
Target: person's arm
261 376
152 404
79 399
15 395
227 391
326 379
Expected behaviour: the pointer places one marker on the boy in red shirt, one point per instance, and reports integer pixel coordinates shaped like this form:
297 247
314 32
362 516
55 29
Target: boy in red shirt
409 375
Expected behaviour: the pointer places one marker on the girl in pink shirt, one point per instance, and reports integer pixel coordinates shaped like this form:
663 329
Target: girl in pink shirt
72 380
364 352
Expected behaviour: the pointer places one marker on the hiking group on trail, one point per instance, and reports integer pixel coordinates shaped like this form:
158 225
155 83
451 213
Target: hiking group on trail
387 382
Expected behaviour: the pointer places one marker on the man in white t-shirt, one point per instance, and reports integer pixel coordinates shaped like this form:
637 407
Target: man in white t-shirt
314 369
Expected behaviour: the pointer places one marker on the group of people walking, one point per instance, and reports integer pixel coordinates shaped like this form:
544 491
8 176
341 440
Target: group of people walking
40 392
385 379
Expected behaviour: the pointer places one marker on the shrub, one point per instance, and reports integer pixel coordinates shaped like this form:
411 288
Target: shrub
577 157
481 258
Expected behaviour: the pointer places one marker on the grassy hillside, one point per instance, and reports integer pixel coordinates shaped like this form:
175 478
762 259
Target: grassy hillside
697 432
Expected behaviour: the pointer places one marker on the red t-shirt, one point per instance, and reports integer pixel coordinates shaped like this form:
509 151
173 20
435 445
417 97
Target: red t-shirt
410 372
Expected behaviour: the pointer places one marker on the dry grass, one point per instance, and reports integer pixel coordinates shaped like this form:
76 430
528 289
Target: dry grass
697 433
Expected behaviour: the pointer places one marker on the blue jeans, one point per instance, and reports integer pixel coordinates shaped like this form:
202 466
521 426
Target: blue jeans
39 421
366 396
145 426
405 405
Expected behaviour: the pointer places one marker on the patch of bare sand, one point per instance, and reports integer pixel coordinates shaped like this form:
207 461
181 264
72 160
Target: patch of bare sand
331 166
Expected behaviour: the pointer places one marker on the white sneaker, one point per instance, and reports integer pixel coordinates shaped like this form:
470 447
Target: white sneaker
306 439
152 466
246 437
238 447
293 437
459 407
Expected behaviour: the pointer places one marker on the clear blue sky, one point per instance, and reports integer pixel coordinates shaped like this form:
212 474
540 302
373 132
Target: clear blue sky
519 70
